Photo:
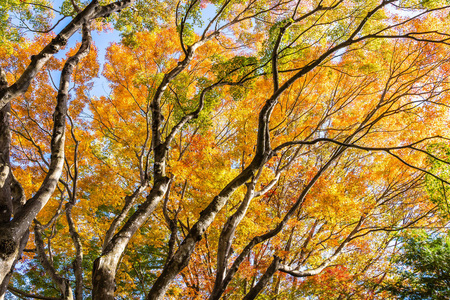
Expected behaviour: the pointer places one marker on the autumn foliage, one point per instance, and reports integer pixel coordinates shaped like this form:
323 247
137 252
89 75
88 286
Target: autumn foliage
260 149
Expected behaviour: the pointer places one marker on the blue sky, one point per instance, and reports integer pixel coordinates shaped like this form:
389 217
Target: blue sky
102 40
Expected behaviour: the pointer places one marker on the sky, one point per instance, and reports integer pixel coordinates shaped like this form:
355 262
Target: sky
102 40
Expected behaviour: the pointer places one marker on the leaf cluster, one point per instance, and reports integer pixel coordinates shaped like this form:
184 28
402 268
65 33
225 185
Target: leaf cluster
423 268
438 190
17 15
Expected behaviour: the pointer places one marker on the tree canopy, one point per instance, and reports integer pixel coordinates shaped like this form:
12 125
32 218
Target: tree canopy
260 149
424 271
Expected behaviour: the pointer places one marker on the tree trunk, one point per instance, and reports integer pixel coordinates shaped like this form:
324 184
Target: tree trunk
6 207
103 276
8 261
105 266
9 245
264 280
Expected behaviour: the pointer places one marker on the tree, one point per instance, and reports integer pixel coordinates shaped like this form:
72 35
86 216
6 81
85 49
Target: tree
275 140
423 269
39 15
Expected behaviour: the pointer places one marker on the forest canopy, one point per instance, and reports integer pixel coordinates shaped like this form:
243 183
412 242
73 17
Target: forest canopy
242 150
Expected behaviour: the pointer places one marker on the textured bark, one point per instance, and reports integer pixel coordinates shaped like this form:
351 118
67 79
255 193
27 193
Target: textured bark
105 266
78 262
8 261
8 242
172 223
6 206
129 202
17 228
227 234
103 276
17 194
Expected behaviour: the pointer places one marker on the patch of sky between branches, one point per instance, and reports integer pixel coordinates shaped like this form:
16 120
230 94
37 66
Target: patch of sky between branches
102 40
393 10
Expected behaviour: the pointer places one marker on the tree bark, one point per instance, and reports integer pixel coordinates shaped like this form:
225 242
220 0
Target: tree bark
12 232
8 244
77 264
105 266
8 263
6 206
227 234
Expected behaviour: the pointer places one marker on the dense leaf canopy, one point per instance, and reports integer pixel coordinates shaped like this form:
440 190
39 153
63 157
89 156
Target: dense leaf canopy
262 149
424 271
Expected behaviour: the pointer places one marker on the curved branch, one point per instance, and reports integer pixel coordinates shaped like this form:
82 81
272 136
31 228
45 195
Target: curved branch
25 216
384 149
90 12
21 293
62 283
328 261
193 115
38 61
129 202
264 280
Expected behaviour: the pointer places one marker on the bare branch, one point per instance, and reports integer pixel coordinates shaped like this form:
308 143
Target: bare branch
21 293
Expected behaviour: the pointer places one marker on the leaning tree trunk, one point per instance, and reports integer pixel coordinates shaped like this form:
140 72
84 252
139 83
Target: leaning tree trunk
105 266
11 244
16 216
8 245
